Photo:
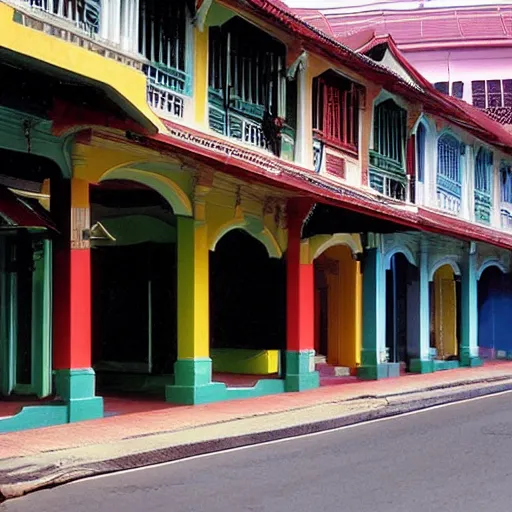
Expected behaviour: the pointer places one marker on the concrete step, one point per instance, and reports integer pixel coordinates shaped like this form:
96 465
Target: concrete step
327 370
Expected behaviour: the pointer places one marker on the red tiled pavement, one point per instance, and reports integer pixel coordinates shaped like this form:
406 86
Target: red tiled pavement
153 417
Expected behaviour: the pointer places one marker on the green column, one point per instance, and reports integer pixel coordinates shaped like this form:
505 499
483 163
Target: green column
469 311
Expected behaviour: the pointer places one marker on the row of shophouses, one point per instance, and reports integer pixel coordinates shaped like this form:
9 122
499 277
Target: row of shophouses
191 190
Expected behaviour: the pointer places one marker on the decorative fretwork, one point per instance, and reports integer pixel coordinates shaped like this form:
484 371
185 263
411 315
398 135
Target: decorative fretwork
387 158
166 102
483 180
449 187
248 87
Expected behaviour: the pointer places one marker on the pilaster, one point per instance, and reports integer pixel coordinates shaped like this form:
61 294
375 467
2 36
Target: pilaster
469 310
373 361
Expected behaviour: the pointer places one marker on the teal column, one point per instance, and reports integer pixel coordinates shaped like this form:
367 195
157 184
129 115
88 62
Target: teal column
469 311
373 362
423 364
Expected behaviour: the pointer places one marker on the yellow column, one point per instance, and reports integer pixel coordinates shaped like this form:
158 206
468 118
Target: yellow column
193 369
200 93
193 289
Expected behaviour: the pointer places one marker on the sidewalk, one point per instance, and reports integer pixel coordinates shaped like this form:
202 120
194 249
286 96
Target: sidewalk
38 458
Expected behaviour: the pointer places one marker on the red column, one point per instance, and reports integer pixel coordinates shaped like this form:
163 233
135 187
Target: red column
300 285
72 276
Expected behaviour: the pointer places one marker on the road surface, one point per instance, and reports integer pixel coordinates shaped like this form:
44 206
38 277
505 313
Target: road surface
448 459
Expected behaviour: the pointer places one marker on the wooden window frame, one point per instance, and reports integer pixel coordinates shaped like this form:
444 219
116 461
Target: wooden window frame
336 106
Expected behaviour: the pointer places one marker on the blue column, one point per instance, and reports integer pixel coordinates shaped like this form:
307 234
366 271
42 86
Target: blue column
423 364
469 312
373 365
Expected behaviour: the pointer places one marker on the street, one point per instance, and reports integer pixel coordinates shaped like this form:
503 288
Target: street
454 458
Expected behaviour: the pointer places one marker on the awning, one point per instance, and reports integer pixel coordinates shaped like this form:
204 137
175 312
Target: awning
22 213
327 220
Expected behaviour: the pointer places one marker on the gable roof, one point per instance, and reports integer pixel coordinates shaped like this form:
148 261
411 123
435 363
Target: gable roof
317 42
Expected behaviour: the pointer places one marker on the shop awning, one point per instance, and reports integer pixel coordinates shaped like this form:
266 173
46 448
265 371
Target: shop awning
22 213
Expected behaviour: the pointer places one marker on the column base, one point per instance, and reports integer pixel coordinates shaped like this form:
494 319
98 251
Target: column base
300 371
76 387
193 383
379 371
470 361
421 366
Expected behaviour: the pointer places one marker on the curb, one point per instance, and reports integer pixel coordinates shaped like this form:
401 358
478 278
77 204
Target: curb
54 476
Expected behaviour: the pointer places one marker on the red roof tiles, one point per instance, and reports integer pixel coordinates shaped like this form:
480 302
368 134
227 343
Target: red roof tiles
418 25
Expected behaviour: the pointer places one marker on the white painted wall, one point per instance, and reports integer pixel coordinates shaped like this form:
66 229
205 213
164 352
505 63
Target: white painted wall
463 65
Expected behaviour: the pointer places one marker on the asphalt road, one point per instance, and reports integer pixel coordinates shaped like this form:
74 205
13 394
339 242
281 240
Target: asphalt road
449 459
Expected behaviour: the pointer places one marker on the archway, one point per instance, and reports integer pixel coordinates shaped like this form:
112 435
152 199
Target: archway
247 309
337 311
402 320
445 314
134 287
494 305
26 274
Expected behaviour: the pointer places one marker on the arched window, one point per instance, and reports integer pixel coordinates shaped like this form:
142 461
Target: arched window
421 139
506 182
449 151
387 158
506 194
483 180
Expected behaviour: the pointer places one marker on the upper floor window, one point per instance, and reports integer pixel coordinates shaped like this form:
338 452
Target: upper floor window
249 95
336 110
492 93
457 88
483 166
421 140
387 158
442 87
483 185
85 14
449 151
506 182
162 33
389 132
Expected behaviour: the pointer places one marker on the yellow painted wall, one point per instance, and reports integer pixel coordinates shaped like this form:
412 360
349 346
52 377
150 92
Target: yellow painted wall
445 312
127 81
344 309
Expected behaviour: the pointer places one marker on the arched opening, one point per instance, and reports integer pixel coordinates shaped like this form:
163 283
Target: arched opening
337 313
494 306
247 310
402 282
445 315
26 232
134 287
